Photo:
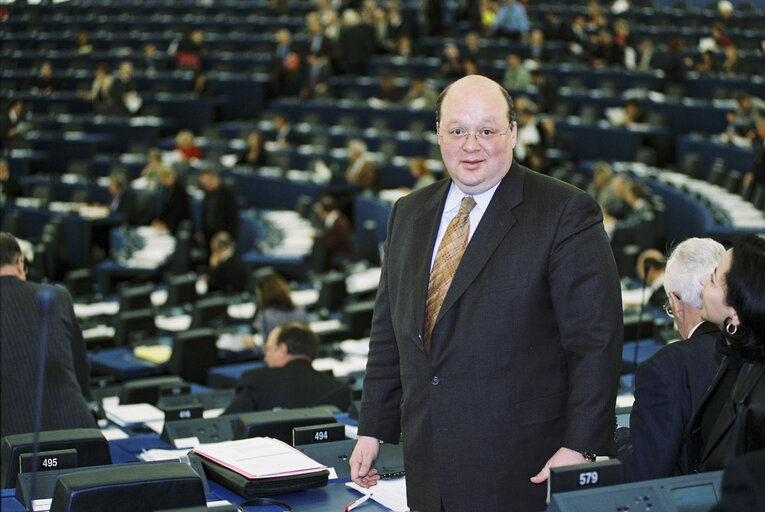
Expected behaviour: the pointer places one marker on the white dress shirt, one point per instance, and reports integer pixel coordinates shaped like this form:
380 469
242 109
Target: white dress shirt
452 208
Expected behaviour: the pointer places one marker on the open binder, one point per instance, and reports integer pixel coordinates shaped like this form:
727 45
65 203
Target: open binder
261 466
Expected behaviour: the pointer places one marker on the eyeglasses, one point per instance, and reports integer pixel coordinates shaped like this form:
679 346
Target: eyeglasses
668 309
483 135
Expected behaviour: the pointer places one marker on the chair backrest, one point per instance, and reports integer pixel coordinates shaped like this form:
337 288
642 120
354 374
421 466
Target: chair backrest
194 352
211 312
181 289
133 326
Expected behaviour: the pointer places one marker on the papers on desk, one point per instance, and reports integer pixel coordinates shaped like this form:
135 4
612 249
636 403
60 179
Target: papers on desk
325 325
159 354
632 297
365 281
158 297
243 311
96 309
348 366
259 457
390 493
99 331
158 454
113 433
304 297
625 400
234 342
173 323
134 414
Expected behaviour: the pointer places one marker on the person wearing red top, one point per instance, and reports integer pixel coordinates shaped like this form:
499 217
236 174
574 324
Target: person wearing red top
184 144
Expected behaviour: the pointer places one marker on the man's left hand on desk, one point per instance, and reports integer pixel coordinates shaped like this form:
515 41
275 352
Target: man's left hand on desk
563 457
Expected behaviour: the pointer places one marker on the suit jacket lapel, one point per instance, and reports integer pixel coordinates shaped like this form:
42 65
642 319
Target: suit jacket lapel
426 228
495 223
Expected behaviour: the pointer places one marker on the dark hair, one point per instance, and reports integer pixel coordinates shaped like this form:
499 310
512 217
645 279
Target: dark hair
508 99
328 203
746 294
273 292
639 190
10 252
119 178
299 338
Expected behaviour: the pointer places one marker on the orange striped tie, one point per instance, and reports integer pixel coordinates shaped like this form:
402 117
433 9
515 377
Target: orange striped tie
447 260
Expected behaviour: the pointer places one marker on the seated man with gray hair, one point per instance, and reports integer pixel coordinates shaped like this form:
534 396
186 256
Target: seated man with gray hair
670 384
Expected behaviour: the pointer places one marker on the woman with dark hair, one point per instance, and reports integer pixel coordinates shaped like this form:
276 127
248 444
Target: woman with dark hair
275 305
730 420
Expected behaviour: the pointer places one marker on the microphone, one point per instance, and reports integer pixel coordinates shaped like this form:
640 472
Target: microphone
45 301
647 264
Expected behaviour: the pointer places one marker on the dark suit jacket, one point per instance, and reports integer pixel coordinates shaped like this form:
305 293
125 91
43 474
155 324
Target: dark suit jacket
668 388
742 484
176 206
524 354
338 241
128 206
294 385
220 212
739 421
229 275
66 370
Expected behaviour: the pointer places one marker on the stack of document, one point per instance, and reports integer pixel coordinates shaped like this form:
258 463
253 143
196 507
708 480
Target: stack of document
259 457
134 414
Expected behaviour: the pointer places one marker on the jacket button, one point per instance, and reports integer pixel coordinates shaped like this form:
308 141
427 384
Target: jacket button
434 380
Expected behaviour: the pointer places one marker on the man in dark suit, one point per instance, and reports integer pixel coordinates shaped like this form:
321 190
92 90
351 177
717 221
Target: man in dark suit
285 65
220 210
520 369
176 206
228 273
66 366
670 384
289 381
338 234
124 200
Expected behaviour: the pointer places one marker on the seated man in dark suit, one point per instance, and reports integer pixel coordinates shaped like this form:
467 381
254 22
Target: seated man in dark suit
289 381
228 272
670 384
338 234
124 200
66 368
176 206
220 209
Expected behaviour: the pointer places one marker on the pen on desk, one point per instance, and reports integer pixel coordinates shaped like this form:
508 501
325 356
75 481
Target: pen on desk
350 506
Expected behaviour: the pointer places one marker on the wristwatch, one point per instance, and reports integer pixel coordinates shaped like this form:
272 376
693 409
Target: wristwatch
589 456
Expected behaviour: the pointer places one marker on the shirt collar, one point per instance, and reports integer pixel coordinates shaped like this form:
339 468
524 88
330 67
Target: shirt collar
482 200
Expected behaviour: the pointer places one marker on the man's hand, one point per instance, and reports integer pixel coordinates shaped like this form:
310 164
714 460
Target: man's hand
364 455
563 457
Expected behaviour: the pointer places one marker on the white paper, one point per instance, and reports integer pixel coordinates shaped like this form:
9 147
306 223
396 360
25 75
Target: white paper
173 323
625 400
304 297
325 325
390 493
158 454
132 414
95 309
260 457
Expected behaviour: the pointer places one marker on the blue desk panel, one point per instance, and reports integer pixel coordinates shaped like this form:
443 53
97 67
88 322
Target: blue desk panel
736 158
646 349
122 363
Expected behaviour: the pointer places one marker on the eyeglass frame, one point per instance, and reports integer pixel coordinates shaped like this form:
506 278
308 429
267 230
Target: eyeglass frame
468 134
668 309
